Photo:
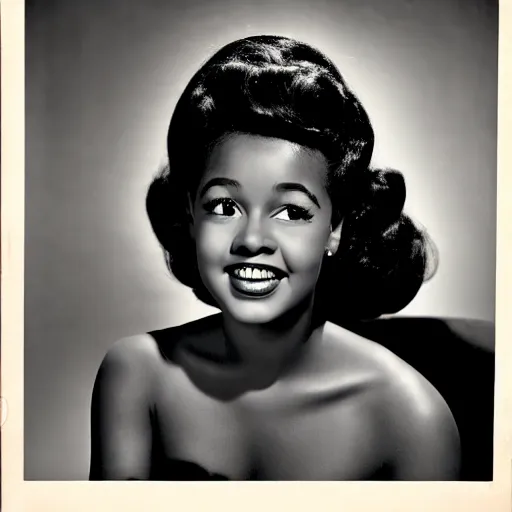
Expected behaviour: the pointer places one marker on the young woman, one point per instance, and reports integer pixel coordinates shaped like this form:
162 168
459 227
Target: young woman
269 210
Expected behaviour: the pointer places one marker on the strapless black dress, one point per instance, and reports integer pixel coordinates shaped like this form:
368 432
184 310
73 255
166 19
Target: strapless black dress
181 470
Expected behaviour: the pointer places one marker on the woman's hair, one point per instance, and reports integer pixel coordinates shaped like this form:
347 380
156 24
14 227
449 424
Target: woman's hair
278 87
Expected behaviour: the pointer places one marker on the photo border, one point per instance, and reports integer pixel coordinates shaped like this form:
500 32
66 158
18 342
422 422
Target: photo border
251 496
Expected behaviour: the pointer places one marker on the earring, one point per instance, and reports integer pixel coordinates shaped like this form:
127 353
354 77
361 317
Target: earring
328 252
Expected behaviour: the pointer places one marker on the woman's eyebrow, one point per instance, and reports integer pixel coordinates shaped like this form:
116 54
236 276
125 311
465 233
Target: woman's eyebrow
223 182
283 187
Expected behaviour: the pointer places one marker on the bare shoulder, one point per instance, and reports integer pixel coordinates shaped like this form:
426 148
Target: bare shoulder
155 346
126 370
132 351
422 436
392 373
400 387
121 401
141 357
132 362
420 432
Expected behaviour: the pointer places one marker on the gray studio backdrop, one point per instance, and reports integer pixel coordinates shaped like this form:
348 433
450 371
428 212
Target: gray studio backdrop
102 80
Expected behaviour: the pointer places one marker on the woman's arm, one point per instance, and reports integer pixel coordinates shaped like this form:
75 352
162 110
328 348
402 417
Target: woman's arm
120 413
425 443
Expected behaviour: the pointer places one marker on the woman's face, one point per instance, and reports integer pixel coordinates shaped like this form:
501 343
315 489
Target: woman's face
262 223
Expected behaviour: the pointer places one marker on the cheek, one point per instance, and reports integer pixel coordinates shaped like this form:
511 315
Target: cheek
212 242
305 250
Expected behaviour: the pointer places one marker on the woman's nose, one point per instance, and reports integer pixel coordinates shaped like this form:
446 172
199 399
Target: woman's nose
253 238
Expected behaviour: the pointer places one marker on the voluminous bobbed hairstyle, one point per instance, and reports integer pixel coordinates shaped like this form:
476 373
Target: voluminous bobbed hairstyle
278 87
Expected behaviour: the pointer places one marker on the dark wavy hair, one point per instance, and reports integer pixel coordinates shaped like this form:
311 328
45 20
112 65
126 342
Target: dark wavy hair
278 87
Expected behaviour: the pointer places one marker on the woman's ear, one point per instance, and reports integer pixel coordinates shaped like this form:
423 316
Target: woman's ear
333 242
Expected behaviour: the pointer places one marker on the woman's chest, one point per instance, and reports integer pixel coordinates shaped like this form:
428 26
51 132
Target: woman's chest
295 436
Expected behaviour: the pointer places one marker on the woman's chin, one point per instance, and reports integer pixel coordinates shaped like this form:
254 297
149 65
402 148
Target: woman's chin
249 313
260 313
256 310
257 305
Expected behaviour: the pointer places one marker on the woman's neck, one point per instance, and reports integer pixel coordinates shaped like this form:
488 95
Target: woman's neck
268 351
250 357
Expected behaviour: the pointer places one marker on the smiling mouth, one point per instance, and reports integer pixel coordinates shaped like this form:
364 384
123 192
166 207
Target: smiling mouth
254 280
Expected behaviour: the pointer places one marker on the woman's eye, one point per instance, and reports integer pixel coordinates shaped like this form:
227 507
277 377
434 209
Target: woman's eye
294 213
223 207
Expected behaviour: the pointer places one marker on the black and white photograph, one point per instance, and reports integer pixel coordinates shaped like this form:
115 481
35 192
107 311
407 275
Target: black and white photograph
260 240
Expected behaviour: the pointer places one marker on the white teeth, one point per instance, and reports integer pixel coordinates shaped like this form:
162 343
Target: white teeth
254 273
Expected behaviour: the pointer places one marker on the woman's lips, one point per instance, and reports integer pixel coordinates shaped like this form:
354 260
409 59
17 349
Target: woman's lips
254 280
253 287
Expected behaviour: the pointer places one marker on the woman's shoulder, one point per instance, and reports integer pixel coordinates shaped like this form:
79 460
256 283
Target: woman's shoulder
132 349
414 422
411 413
156 346
127 364
400 388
